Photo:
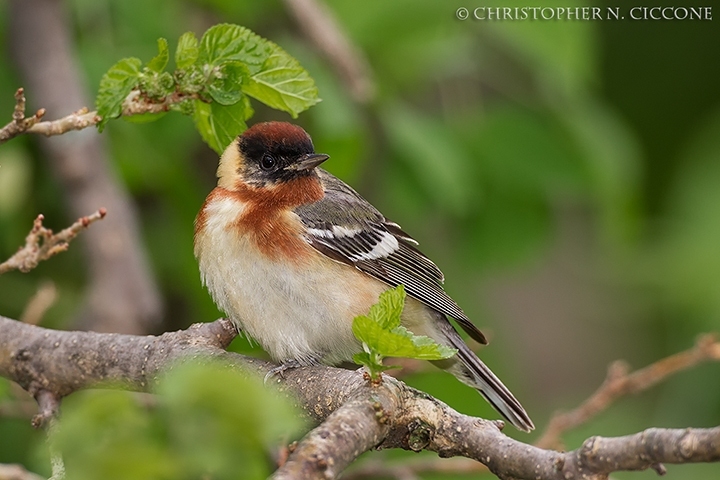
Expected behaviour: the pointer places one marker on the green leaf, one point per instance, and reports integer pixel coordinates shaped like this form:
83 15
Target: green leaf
283 83
218 124
159 62
225 88
108 434
209 405
276 78
187 51
373 364
389 308
192 430
227 65
364 358
115 86
398 342
372 335
382 335
225 42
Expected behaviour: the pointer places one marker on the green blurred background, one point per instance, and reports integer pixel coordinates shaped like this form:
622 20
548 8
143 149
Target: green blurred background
565 175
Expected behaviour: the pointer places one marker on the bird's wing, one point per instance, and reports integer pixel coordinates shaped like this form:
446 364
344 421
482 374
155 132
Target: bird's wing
347 228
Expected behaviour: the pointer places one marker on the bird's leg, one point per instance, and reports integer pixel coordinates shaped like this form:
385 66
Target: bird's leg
282 368
285 365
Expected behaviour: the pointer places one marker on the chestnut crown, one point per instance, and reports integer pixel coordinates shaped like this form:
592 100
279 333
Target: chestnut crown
274 152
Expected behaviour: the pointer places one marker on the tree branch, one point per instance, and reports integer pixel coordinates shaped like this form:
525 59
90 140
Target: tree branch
134 104
355 415
619 383
41 243
19 124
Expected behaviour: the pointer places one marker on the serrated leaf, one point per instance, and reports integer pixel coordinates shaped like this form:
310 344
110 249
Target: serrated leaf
160 61
104 429
389 308
424 348
398 342
219 124
225 89
382 335
276 78
226 42
366 330
201 116
115 86
283 83
187 51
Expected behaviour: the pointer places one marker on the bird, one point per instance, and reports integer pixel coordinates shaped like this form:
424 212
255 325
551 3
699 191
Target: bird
292 254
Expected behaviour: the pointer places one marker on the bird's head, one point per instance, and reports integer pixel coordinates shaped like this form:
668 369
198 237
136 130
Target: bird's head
268 154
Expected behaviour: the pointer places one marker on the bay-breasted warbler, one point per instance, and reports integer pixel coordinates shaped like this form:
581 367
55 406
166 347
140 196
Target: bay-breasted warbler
292 254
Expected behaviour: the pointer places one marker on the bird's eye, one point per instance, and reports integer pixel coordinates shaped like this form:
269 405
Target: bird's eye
267 162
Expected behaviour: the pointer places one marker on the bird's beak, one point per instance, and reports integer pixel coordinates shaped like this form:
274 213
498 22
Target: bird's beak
309 161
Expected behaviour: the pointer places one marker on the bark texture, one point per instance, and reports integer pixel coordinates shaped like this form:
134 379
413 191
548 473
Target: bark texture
353 415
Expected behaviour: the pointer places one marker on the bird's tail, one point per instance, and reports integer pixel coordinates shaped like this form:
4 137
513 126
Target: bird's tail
470 370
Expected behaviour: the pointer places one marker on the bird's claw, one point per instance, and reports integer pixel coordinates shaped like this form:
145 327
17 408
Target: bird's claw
280 369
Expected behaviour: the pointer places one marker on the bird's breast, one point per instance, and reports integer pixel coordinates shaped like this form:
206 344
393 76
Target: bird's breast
269 225
299 310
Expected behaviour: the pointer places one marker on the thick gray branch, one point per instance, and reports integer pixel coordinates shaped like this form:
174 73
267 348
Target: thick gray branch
354 415
60 363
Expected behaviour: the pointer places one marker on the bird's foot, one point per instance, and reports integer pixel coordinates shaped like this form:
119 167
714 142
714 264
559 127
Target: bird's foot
282 368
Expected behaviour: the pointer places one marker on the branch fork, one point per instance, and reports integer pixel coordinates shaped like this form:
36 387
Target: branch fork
41 243
354 415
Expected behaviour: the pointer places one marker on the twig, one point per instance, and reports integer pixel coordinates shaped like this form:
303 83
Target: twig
134 104
619 383
321 27
19 124
41 243
48 408
137 104
75 121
